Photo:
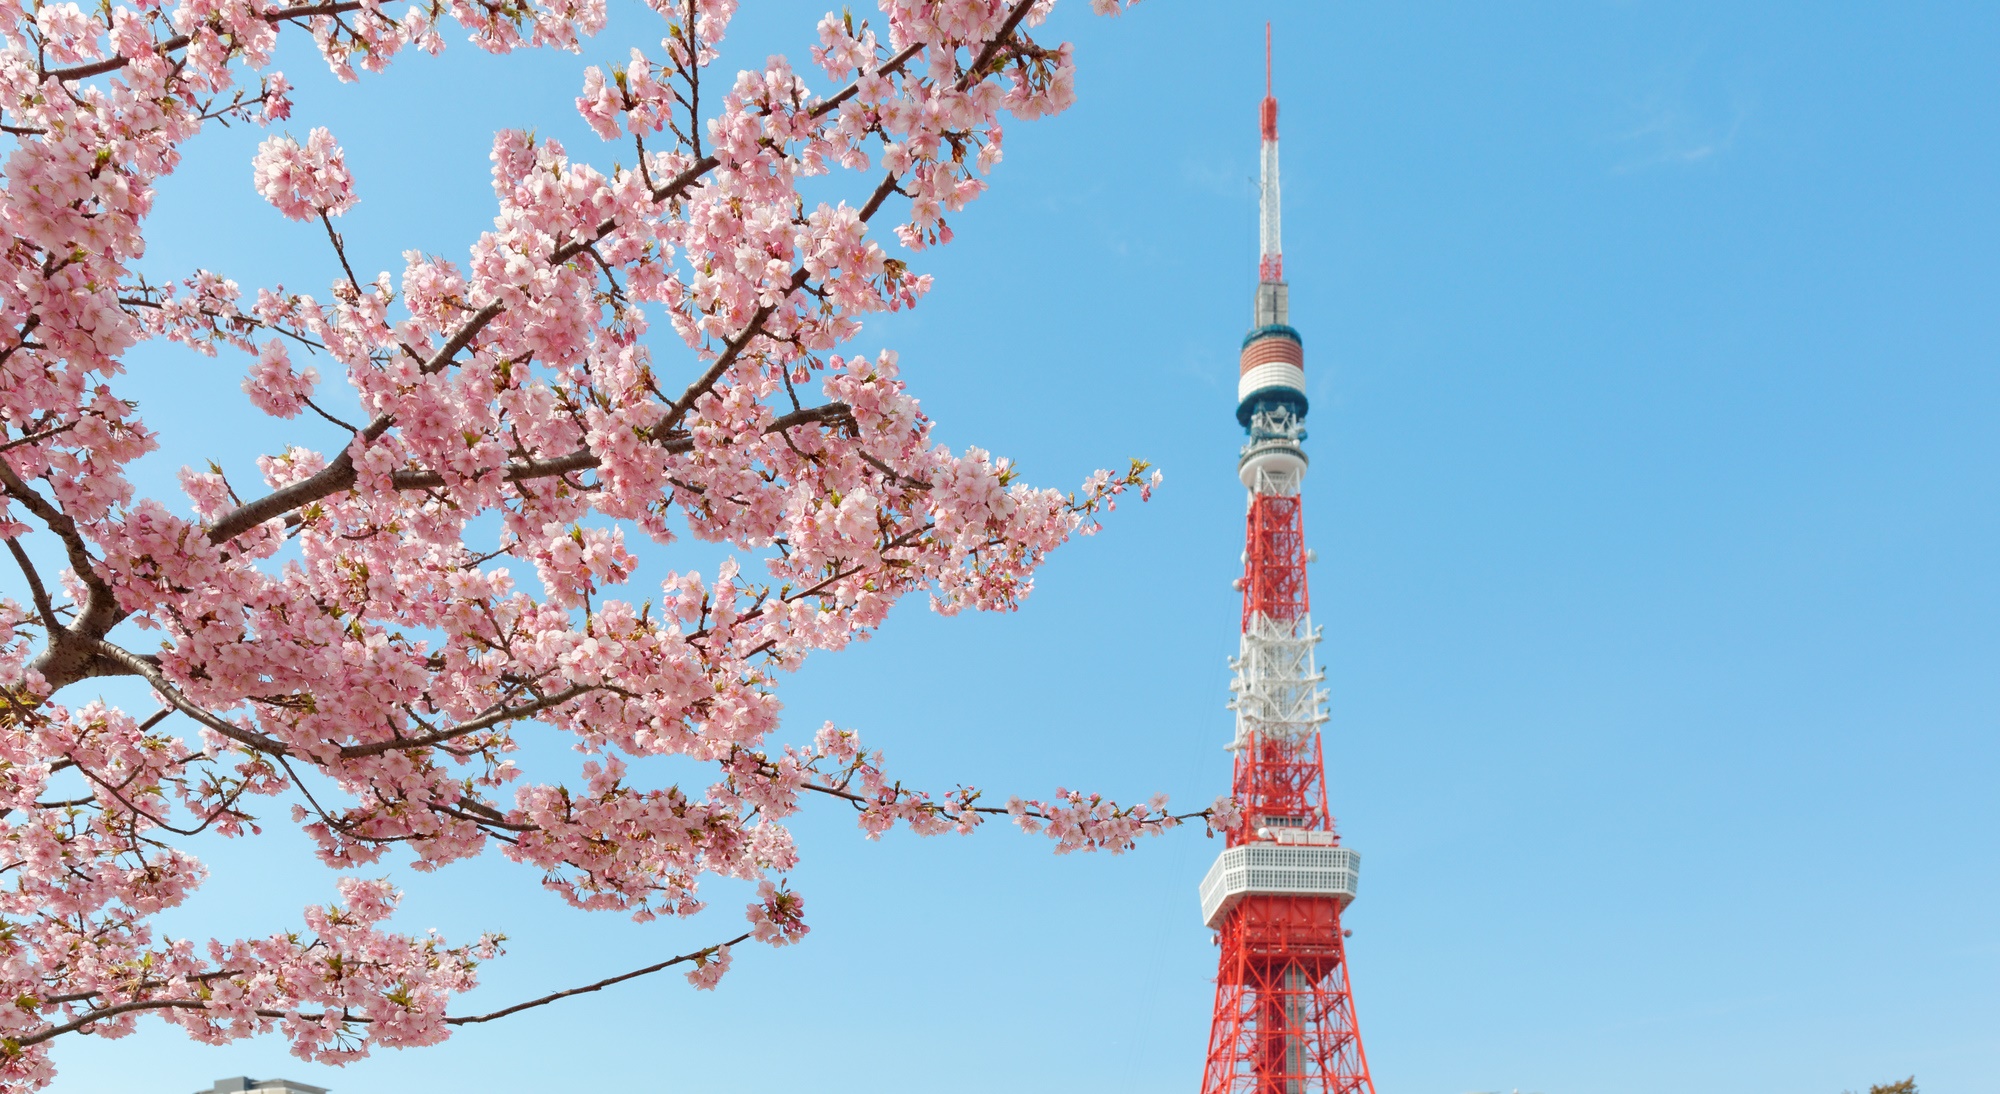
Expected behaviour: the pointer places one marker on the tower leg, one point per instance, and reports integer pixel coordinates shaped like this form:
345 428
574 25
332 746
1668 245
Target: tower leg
1284 1010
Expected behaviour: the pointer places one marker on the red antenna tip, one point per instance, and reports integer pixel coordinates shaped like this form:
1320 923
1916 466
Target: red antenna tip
1267 114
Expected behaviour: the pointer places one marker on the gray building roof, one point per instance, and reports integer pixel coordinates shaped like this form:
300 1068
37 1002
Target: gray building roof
242 1084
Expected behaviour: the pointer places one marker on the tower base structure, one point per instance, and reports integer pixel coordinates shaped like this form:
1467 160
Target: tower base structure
1284 1014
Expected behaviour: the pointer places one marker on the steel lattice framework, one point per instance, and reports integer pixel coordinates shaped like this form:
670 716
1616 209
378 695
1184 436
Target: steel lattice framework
1284 1009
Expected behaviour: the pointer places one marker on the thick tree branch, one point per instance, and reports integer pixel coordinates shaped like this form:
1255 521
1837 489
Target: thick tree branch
339 474
463 336
68 656
150 672
102 1013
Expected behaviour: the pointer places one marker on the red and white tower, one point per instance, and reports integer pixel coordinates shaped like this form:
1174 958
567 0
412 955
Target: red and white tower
1284 1015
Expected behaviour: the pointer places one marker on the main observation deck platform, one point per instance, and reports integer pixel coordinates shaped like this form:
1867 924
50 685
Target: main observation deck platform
1289 863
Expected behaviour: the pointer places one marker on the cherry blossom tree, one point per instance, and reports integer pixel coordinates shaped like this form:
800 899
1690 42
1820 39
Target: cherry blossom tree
363 635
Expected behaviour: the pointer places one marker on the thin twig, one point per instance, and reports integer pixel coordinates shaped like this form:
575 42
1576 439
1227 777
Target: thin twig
43 605
599 986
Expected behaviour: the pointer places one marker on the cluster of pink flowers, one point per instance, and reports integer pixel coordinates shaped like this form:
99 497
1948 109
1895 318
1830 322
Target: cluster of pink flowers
362 633
304 181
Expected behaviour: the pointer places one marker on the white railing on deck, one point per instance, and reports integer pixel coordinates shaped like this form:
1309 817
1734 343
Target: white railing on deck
1301 865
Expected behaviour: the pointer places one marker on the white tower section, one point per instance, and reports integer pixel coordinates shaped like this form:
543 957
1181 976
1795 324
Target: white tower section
1277 691
1269 235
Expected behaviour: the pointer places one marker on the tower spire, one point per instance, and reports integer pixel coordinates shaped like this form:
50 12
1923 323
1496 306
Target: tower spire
1284 1011
1271 251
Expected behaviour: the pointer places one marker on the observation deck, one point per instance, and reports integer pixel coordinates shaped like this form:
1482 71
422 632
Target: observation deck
1287 863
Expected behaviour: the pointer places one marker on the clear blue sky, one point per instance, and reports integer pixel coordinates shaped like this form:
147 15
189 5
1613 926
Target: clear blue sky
1655 364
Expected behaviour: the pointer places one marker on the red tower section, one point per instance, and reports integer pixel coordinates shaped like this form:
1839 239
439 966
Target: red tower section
1284 1011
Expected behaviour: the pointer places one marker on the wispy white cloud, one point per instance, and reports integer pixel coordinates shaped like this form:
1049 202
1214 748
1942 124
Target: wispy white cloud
1686 114
1220 176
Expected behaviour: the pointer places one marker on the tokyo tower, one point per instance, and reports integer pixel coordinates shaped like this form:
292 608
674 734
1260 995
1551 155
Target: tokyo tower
1284 1014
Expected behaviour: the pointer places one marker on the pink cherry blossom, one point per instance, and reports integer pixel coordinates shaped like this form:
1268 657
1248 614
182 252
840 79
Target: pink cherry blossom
305 181
349 635
272 385
709 965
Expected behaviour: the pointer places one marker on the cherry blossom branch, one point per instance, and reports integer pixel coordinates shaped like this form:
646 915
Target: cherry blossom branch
1076 821
583 459
887 68
61 524
1081 822
43 605
151 297
103 1013
694 172
555 996
67 655
1030 811
340 474
38 435
466 332
975 71
488 720
149 671
182 41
